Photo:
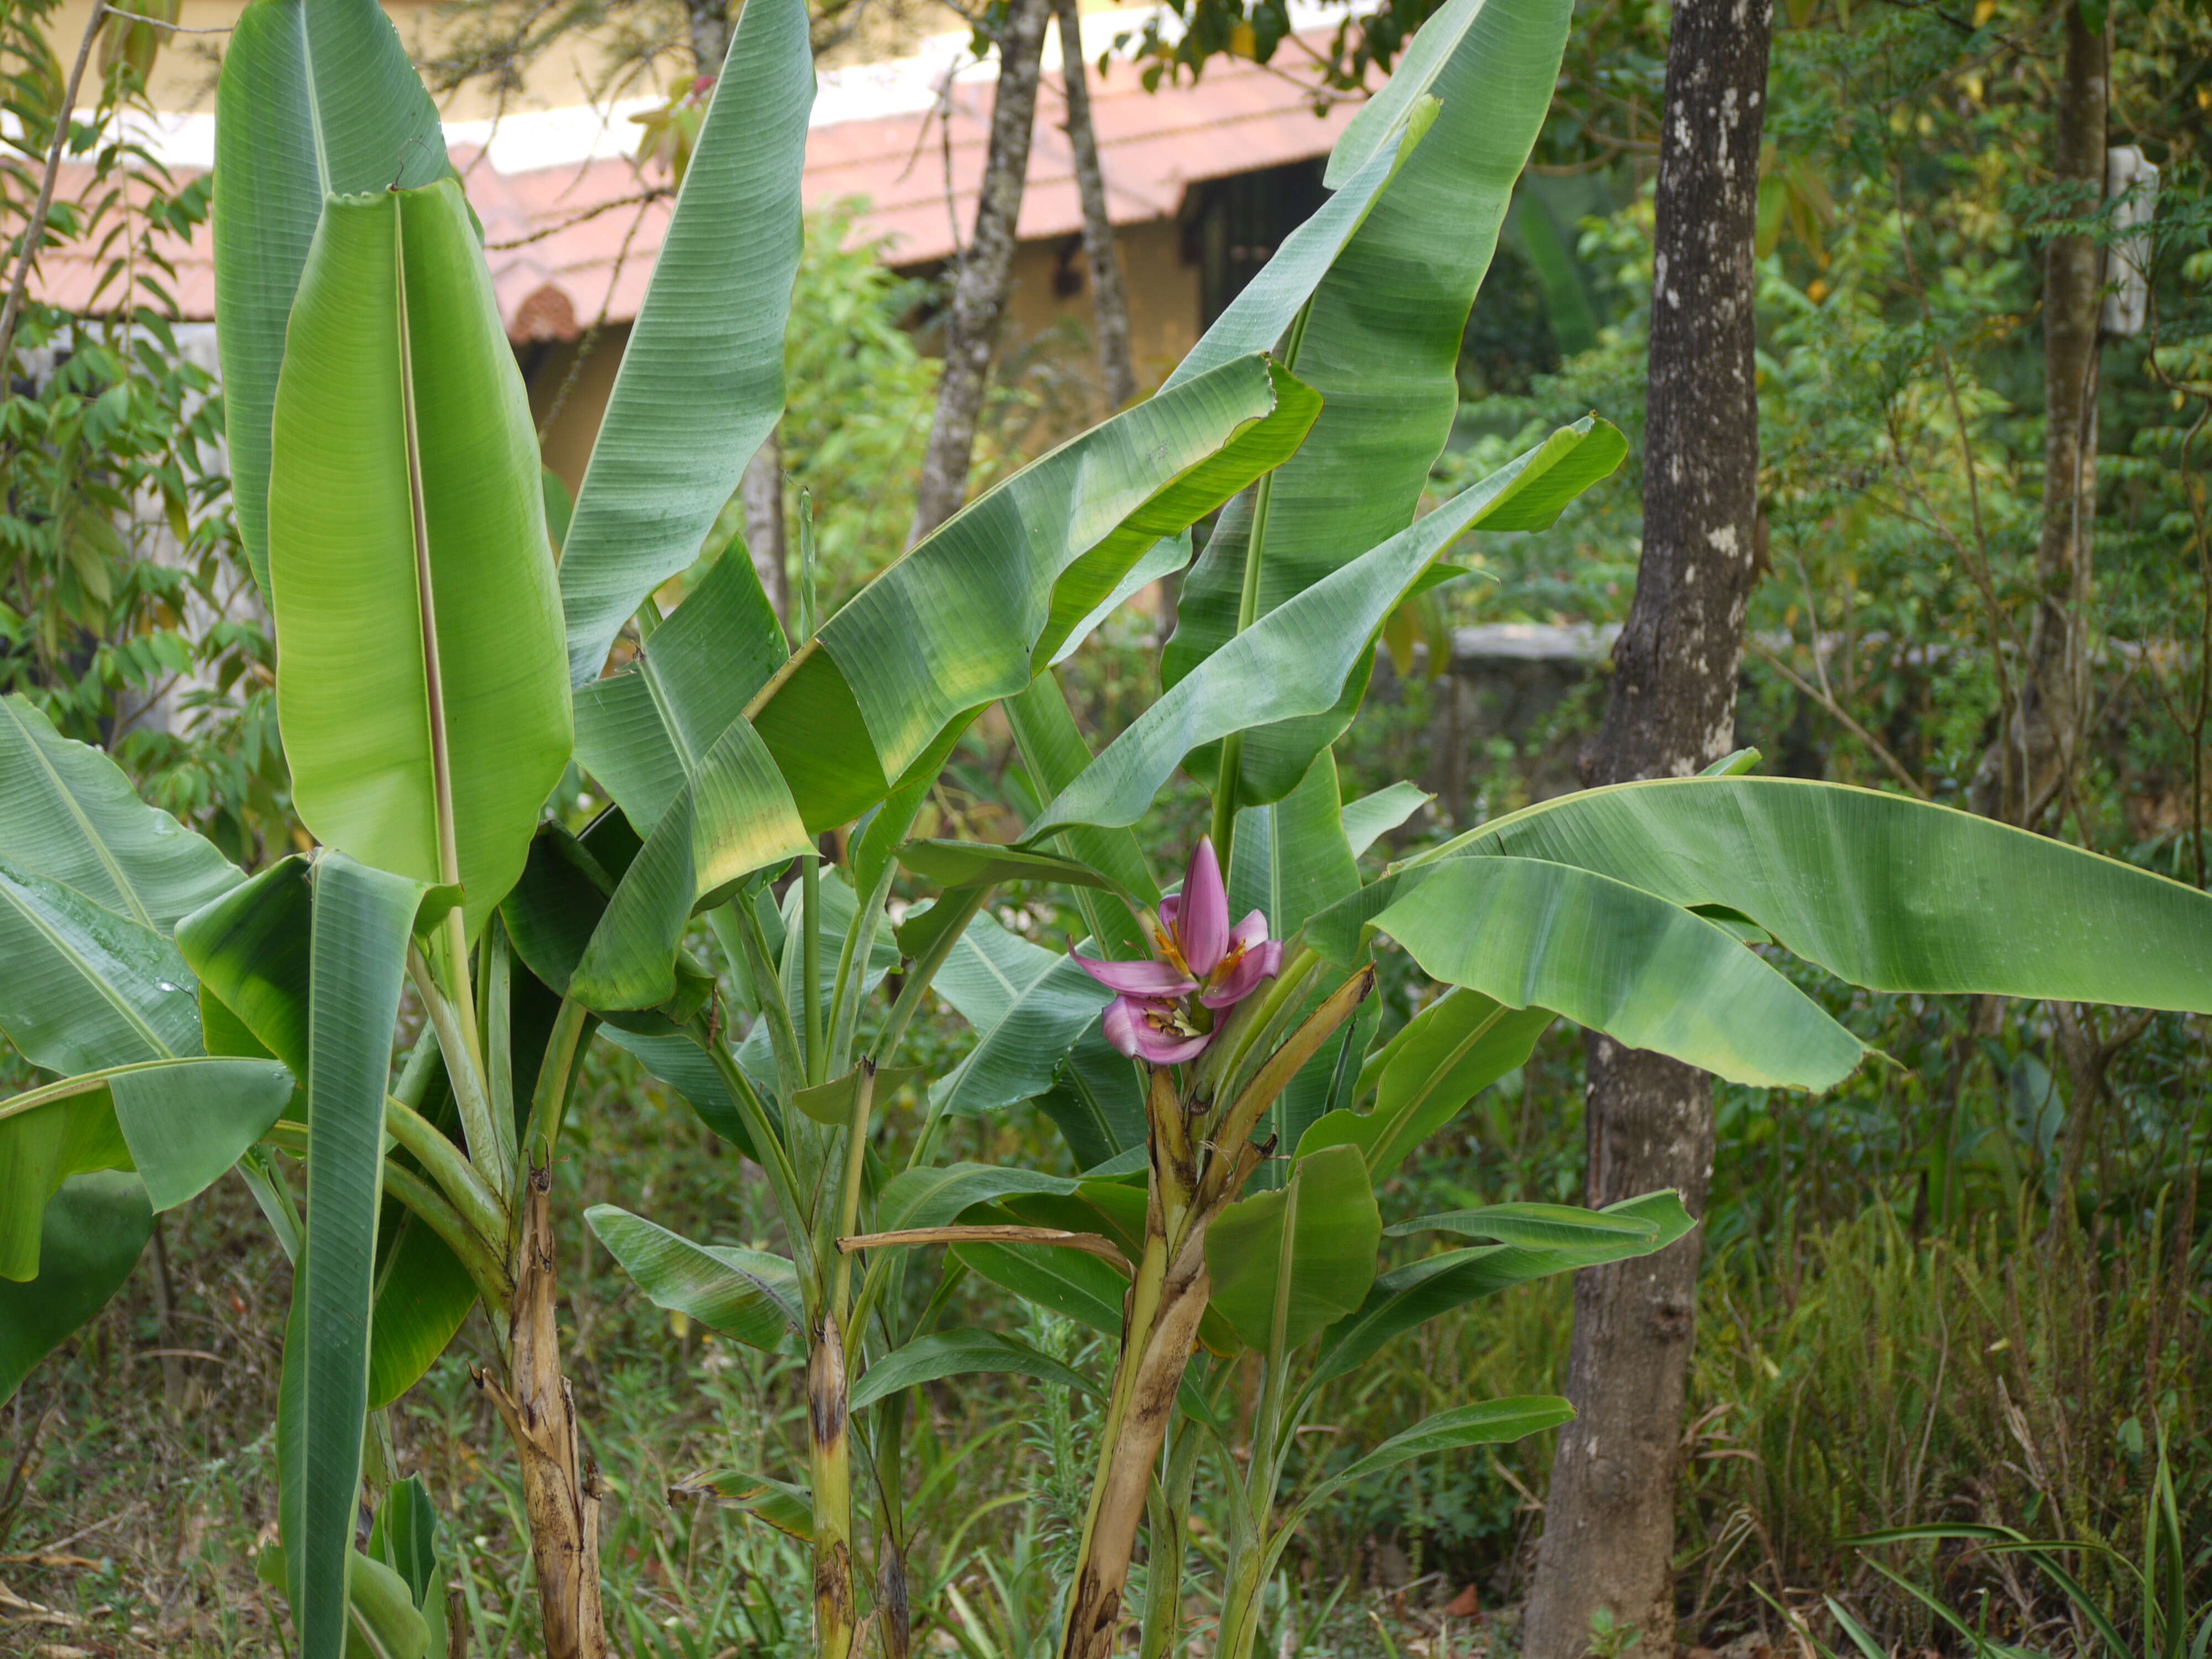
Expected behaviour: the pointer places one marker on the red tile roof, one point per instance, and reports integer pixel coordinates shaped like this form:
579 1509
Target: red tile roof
572 244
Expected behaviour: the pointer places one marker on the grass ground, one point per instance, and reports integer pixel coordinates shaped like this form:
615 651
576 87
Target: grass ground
1862 1377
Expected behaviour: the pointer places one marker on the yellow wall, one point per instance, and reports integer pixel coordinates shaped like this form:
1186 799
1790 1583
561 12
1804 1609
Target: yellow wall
567 443
1164 297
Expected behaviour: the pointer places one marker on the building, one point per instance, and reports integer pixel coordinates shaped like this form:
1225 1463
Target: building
1203 182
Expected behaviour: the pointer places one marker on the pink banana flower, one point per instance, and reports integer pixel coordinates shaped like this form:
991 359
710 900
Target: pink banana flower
1165 1010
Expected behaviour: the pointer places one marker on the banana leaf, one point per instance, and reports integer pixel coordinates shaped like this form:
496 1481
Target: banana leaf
748 1295
363 920
90 1235
700 383
644 733
1284 1264
317 98
975 611
68 813
1882 891
1294 661
1612 958
413 657
1381 339
1027 1006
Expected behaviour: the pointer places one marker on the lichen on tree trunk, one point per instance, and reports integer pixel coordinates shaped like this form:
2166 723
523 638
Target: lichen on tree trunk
1109 295
2028 768
1609 1520
985 272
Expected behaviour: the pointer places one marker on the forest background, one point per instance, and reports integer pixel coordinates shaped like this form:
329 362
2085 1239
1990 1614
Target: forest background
1969 1286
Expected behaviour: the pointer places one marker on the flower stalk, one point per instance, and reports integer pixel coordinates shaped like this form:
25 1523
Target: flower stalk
1166 1013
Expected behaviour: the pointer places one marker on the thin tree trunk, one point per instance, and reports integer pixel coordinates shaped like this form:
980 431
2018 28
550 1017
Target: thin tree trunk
1609 1521
174 1382
979 293
763 489
2029 765
1109 296
560 1493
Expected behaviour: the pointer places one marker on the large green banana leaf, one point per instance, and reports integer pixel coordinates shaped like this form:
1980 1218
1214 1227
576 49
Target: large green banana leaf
1418 1292
1541 1226
1055 752
423 1293
1291 857
1441 1059
1026 1004
1284 1264
1295 660
68 812
364 918
317 98
1073 1284
1891 894
1371 817
1265 308
734 817
254 951
747 1295
91 880
89 1239
1381 339
937 1196
411 653
553 910
700 383
1096 1102
85 987
643 732
179 1123
1615 959
962 1353
976 609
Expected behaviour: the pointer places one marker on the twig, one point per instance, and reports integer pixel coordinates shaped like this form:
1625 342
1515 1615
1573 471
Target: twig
644 198
27 1465
34 233
163 23
1836 712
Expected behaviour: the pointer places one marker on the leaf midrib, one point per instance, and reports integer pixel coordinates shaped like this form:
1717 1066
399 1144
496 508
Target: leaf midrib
139 913
70 955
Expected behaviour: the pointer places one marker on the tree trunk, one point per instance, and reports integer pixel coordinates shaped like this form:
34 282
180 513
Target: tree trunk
559 1493
763 489
1609 1523
1109 296
2029 765
979 292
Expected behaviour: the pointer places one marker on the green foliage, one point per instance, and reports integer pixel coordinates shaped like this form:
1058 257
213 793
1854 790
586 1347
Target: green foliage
125 612
1236 1201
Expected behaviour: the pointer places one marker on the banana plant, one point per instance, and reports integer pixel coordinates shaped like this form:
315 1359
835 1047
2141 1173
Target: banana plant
196 1018
439 670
